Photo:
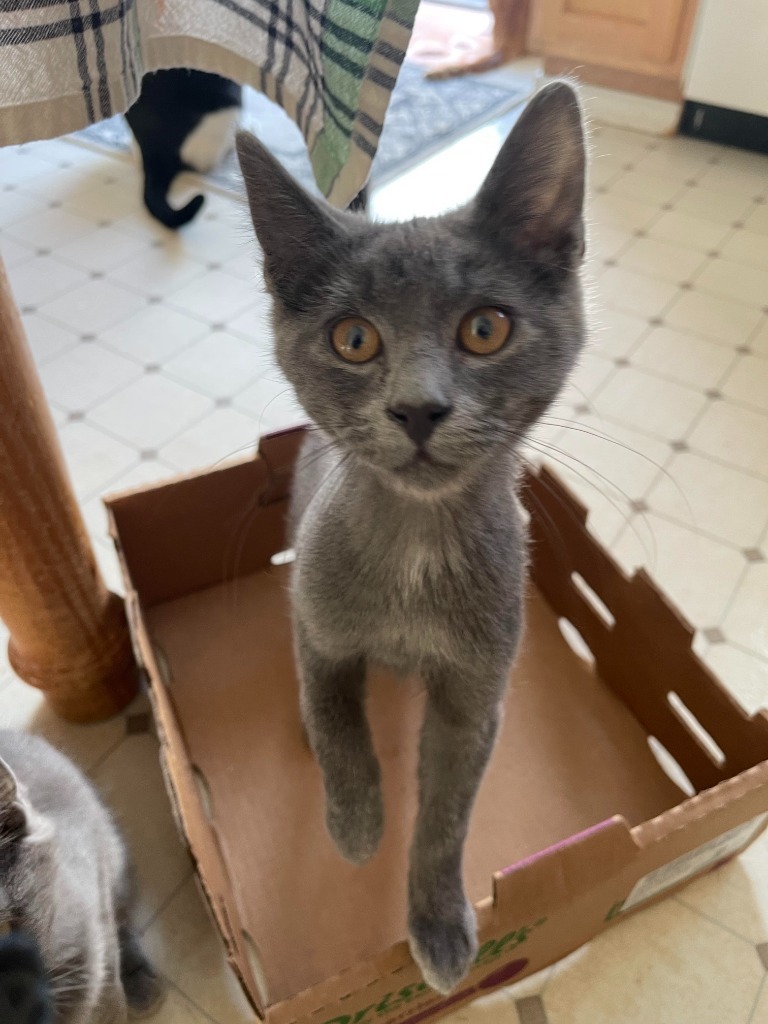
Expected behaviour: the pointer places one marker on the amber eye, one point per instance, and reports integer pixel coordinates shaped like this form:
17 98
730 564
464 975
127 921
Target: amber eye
484 331
355 340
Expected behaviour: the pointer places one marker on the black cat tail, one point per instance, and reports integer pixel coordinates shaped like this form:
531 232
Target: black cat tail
156 185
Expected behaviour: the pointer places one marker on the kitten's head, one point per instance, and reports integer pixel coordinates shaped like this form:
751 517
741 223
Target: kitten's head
425 349
46 893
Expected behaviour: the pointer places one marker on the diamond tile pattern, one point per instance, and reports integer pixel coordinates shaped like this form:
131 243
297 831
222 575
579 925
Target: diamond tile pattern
163 362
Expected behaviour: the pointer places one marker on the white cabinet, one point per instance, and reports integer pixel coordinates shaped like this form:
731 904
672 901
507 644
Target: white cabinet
728 59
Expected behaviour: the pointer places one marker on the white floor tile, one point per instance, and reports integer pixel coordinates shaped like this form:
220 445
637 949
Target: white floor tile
735 281
699 574
606 242
24 707
219 365
254 323
726 179
150 411
759 341
109 201
93 306
650 403
632 974
712 497
746 623
635 293
43 278
725 209
183 944
158 271
101 250
744 674
621 213
46 338
712 316
689 231
132 782
94 458
646 187
16 167
748 248
271 402
735 435
614 334
15 253
153 334
757 219
84 376
654 258
216 298
685 358
748 382
224 434
45 227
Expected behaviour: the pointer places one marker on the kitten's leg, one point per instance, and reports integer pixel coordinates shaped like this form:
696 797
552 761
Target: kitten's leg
144 988
460 725
332 696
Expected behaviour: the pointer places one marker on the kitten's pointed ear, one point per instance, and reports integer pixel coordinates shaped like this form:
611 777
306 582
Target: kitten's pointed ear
533 196
8 786
298 233
13 818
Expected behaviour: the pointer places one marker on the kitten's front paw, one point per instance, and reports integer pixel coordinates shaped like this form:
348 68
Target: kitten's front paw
356 824
145 990
444 949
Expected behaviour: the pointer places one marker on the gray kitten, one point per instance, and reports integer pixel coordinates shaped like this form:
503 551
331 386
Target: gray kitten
64 883
424 352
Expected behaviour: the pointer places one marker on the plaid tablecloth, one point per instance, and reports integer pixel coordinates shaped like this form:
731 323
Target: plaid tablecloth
331 64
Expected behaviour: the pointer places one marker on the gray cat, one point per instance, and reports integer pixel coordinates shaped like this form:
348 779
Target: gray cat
64 884
423 352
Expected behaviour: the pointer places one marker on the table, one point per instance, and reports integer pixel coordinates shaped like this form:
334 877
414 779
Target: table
332 65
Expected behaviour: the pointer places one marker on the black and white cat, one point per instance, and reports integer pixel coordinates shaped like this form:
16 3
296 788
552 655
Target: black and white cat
183 120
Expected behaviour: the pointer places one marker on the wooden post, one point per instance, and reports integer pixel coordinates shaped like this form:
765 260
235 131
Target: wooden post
68 632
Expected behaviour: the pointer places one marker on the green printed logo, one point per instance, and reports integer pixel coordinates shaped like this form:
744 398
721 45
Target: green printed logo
488 953
493 948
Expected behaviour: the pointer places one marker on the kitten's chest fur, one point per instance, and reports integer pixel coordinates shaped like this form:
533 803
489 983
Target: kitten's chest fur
406 583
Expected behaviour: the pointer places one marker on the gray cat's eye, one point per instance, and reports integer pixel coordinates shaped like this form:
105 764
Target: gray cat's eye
485 330
355 339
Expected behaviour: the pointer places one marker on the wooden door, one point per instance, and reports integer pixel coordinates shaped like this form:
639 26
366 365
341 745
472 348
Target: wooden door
636 44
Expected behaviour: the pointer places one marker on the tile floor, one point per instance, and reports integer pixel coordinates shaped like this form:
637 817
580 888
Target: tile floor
155 355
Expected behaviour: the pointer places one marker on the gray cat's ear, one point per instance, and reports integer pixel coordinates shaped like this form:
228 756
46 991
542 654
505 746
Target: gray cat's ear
533 197
13 818
8 785
300 235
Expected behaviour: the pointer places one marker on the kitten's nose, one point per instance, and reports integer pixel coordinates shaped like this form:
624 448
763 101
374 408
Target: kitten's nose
419 421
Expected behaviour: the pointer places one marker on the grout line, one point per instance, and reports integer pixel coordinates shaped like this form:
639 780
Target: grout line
187 999
190 873
756 1003
713 920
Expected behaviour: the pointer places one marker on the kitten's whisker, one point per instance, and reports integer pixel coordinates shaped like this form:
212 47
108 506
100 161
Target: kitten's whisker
236 451
614 504
578 428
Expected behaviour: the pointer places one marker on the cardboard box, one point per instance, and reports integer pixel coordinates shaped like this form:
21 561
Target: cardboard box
582 817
